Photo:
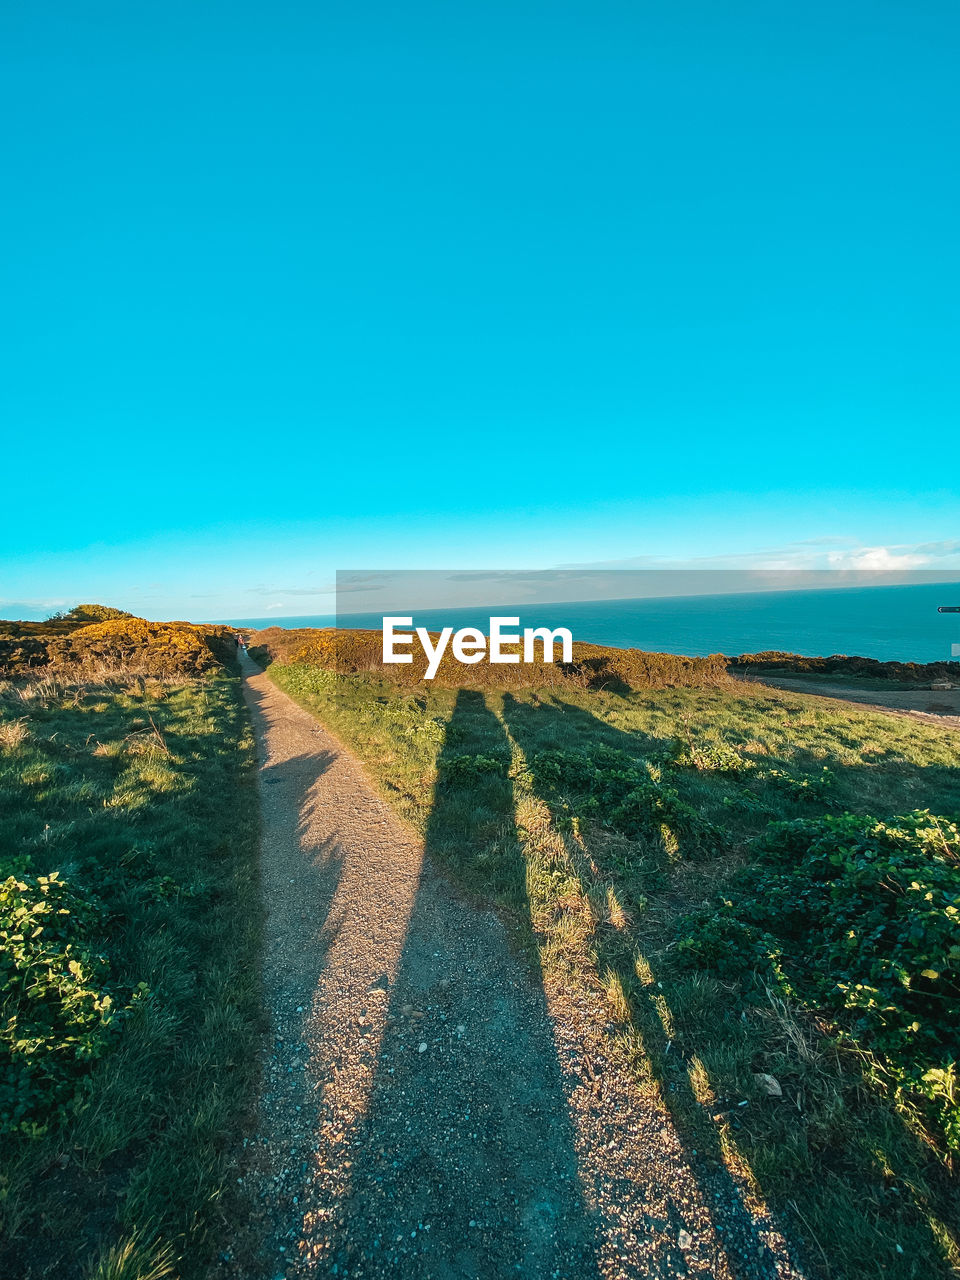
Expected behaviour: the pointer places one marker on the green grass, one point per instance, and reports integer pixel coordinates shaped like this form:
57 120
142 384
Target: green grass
601 892
140 796
842 679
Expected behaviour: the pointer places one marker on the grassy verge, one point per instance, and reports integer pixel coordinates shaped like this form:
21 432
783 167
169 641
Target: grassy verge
128 836
841 680
852 669
602 824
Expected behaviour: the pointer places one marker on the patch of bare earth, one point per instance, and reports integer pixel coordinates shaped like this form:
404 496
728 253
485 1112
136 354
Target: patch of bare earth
429 1109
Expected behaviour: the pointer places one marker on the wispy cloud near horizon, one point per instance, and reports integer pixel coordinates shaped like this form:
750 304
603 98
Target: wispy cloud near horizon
813 554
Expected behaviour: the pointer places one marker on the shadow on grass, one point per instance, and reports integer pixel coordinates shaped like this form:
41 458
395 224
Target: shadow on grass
675 1028
644 1010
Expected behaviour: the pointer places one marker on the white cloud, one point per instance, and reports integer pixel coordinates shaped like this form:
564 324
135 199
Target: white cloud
877 558
811 554
291 591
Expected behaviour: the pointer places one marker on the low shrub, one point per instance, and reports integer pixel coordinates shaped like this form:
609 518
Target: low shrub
144 648
81 614
593 666
615 789
842 664
56 1012
277 644
22 653
708 755
24 645
470 766
73 645
860 918
798 786
622 670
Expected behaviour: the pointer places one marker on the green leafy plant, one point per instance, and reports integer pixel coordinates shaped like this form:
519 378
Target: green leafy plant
804 787
631 796
127 843
471 765
861 918
56 1013
84 613
711 755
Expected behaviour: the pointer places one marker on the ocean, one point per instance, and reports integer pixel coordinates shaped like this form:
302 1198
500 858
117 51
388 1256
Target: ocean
888 622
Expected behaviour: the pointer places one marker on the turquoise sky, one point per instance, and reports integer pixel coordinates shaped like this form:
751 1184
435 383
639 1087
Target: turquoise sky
295 287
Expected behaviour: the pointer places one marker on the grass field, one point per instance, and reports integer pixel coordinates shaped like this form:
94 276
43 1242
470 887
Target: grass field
129 980
620 833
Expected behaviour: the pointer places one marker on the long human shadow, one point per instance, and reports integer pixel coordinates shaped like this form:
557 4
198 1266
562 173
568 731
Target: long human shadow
529 725
541 725
464 1159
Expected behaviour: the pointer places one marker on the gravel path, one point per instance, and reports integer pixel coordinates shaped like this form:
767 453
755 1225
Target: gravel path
428 1110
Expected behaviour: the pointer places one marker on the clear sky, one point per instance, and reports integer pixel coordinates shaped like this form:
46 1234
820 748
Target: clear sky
293 287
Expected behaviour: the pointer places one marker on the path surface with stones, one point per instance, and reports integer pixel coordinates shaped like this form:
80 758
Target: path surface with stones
428 1108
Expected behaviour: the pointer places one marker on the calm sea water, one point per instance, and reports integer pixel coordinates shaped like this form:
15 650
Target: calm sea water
876 622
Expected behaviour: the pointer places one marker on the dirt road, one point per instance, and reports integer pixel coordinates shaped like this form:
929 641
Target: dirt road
430 1108
940 707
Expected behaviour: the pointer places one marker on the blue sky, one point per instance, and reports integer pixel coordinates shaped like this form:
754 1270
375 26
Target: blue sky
300 287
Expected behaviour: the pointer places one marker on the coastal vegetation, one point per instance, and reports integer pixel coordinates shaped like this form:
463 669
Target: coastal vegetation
72 646
764 885
593 666
129 1001
772 662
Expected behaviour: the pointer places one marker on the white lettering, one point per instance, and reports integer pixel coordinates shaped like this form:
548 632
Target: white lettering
390 640
469 645
433 654
497 637
549 639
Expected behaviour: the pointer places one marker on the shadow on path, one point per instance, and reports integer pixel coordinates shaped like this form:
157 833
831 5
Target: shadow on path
464 1160
430 1108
